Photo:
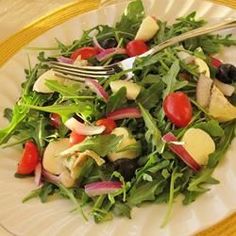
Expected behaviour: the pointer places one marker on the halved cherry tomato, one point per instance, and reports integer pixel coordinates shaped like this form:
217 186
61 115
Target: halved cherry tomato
178 108
76 138
85 53
55 120
136 47
216 62
29 160
108 123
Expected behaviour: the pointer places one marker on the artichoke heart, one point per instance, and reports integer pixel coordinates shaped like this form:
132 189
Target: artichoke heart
76 162
219 107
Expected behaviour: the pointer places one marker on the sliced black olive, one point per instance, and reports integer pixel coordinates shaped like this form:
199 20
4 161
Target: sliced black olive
108 43
126 167
226 73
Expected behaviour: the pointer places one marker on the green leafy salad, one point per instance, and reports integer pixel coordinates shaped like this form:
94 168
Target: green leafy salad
110 144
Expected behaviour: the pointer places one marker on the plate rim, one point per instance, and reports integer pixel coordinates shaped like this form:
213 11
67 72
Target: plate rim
18 40
60 15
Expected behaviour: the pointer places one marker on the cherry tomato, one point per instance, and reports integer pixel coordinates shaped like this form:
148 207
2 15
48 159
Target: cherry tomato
30 159
108 123
136 47
76 138
178 109
216 62
85 53
55 120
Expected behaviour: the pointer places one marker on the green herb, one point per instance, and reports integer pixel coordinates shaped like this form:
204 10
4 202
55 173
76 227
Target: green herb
95 144
212 127
132 17
43 193
222 146
197 185
170 78
150 97
66 110
153 135
116 100
175 175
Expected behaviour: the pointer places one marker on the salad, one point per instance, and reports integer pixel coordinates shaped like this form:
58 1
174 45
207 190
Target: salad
110 144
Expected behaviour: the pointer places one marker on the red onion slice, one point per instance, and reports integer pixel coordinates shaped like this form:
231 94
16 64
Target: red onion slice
38 174
80 128
50 177
96 44
65 60
103 187
177 148
97 88
106 53
130 112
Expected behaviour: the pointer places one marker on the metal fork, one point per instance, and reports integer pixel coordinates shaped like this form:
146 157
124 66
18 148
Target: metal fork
80 73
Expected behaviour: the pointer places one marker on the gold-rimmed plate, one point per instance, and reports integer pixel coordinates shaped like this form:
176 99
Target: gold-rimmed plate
54 218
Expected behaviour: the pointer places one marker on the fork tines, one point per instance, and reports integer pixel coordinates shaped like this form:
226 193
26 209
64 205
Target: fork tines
82 71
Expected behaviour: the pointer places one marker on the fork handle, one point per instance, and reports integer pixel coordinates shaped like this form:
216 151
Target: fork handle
226 24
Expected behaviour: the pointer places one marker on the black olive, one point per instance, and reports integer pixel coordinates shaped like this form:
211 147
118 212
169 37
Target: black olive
126 167
226 73
108 43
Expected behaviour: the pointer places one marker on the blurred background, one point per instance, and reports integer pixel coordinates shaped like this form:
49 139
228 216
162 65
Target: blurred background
15 14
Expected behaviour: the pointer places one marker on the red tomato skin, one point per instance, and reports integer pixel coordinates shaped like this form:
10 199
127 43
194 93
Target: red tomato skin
85 53
136 47
178 108
108 123
215 62
30 159
55 120
76 138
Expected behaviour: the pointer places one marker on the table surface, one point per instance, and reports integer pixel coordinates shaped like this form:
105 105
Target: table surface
15 14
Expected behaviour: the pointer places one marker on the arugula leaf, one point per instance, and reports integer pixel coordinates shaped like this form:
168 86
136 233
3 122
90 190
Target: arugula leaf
122 209
66 110
223 145
19 112
8 114
204 177
153 134
132 17
43 193
148 98
69 193
170 78
66 90
210 44
182 25
144 192
212 127
175 175
95 144
197 185
136 147
116 100
150 79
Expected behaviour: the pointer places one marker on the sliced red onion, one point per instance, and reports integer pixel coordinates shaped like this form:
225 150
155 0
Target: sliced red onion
107 53
50 177
177 148
65 60
97 88
80 128
103 187
38 174
96 44
130 112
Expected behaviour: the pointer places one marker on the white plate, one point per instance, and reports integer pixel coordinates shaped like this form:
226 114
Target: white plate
53 218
